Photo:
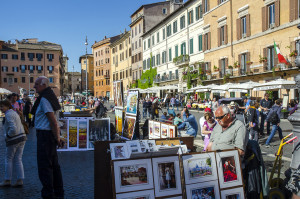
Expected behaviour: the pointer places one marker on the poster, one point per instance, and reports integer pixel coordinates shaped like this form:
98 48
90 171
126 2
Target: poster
115 92
64 133
99 130
118 94
72 133
132 102
119 120
128 129
83 134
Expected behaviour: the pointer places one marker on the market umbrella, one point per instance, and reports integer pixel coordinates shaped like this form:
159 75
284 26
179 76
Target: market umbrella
243 87
221 88
4 91
275 85
206 88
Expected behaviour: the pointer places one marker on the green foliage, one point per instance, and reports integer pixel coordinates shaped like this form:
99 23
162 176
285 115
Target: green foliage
147 75
225 78
270 94
208 161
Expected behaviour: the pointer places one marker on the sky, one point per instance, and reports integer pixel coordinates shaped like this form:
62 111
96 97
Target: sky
67 22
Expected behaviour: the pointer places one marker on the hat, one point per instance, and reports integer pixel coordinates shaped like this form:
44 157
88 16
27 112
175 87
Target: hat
232 103
207 110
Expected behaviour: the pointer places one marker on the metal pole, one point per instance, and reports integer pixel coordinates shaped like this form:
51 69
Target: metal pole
86 76
73 85
29 83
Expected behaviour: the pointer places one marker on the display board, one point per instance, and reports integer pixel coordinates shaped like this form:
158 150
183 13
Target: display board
161 130
99 130
132 103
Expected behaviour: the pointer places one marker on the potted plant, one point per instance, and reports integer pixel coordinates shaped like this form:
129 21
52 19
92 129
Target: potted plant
236 64
249 62
230 67
216 68
208 72
294 53
262 59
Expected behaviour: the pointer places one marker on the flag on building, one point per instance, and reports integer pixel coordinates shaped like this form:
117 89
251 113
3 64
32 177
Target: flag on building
281 58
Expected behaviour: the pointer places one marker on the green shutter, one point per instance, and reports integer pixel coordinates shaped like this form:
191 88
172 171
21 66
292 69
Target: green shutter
201 11
192 15
176 51
170 54
200 42
191 46
197 12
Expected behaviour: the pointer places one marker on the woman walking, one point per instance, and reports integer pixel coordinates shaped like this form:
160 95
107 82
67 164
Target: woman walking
15 142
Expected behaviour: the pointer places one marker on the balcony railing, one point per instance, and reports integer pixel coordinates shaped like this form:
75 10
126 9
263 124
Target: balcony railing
181 60
165 78
106 76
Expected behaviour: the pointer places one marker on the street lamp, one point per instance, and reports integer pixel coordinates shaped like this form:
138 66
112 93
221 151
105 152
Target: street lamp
86 76
29 83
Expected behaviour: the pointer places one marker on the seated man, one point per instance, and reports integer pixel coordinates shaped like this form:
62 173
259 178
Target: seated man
163 118
190 122
229 133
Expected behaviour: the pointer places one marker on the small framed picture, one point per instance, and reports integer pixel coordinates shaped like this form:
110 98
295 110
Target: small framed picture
164 130
156 128
199 168
203 190
118 151
229 169
144 146
236 193
133 146
166 176
150 129
152 145
129 127
133 175
147 194
172 131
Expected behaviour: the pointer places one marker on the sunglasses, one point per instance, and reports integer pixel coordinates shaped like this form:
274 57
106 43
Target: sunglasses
221 117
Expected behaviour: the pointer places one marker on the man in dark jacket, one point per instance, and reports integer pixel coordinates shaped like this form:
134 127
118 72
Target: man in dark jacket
253 121
144 108
149 105
274 118
265 105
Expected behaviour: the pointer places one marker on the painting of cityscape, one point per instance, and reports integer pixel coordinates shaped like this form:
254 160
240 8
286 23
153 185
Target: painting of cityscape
203 190
99 130
132 102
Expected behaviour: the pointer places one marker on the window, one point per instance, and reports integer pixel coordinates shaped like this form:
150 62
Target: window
157 37
4 69
15 69
50 69
4 79
170 54
164 33
50 57
222 35
191 46
243 64
148 63
200 43
16 80
39 56
4 56
163 57
39 68
244 27
14 56
50 79
223 67
164 11
183 48
271 11
152 39
153 61
22 56
206 7
174 26
271 58
182 22
169 30
30 56
191 17
23 80
23 68
144 45
199 13
206 41
139 28
158 59
144 65
31 69
176 51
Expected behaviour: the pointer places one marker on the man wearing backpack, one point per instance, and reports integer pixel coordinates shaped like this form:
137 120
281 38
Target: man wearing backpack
274 118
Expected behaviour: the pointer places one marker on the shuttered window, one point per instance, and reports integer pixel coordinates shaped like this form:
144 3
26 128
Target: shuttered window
182 22
191 46
183 48
200 42
176 51
170 54
175 26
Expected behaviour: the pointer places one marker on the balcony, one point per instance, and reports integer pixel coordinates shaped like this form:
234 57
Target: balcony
106 76
166 78
181 60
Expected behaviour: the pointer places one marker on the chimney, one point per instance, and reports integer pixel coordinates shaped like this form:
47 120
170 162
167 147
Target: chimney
1 44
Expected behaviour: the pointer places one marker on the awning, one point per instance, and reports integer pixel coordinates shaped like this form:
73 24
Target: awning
275 85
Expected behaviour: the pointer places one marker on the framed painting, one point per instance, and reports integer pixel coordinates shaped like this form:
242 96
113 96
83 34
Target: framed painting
172 131
83 134
151 145
119 93
63 134
133 146
229 169
150 129
118 151
236 193
203 190
156 128
119 120
166 174
132 102
144 146
133 175
73 125
164 130
99 130
199 167
147 194
128 127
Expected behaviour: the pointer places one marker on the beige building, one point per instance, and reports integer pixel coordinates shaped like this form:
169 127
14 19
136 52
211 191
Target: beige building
87 62
121 68
238 41
73 82
24 61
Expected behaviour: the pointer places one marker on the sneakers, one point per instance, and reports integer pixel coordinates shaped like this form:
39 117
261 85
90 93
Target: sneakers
19 183
5 183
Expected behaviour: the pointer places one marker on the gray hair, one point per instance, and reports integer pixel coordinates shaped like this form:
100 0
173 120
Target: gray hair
43 80
225 109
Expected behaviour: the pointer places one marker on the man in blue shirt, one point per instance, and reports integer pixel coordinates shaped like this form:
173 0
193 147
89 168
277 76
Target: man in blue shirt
189 122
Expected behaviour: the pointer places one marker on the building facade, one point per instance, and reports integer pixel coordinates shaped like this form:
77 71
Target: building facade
24 61
142 20
73 82
87 63
174 44
121 68
102 66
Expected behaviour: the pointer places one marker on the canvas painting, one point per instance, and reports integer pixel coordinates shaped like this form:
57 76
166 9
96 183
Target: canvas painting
64 133
236 193
72 133
83 134
203 190
164 130
172 131
133 146
99 130
147 194
115 93
228 164
119 120
199 167
132 102
119 92
133 175
118 151
166 176
128 128
150 129
156 128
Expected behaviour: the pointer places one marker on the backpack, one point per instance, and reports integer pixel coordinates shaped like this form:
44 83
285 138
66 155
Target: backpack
273 117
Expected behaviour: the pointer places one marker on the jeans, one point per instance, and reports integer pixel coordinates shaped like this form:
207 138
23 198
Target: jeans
14 153
144 112
274 129
262 123
149 112
190 131
48 167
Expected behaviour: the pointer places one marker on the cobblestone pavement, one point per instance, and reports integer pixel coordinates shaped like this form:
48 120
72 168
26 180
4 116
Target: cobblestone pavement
77 170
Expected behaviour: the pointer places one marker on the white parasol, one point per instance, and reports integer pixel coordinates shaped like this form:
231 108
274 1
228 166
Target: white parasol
4 91
275 85
243 87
